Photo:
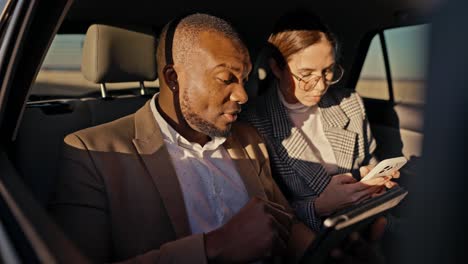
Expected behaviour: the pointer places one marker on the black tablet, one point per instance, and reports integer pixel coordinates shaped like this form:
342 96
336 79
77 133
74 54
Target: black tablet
338 226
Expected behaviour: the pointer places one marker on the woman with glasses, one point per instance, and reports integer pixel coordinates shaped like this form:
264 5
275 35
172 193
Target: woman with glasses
316 134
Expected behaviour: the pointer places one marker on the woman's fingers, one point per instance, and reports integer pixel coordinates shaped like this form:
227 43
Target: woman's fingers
396 174
390 184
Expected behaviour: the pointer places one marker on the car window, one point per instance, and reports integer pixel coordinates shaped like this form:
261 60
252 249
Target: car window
406 48
3 4
5 12
60 75
373 81
4 7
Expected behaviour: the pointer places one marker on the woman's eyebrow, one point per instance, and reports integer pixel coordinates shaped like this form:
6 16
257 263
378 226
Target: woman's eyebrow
313 69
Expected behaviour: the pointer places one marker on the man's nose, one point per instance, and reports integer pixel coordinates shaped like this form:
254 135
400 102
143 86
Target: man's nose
239 94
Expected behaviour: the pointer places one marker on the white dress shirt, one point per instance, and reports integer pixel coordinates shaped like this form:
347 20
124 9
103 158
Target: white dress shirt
211 185
309 122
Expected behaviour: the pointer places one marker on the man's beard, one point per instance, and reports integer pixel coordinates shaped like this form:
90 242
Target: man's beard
198 123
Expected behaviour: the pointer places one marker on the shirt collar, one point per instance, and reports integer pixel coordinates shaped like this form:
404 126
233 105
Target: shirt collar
296 107
172 136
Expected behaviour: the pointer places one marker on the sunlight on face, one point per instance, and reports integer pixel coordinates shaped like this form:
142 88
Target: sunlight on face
311 63
212 88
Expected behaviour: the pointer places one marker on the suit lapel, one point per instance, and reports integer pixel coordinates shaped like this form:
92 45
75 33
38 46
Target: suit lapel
150 146
290 150
343 141
245 166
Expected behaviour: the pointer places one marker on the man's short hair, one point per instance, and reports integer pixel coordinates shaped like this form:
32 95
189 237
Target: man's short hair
187 33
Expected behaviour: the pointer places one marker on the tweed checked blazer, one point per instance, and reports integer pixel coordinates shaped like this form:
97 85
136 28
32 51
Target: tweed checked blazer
346 127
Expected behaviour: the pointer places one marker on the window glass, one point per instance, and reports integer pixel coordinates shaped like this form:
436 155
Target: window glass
407 52
2 5
60 74
373 81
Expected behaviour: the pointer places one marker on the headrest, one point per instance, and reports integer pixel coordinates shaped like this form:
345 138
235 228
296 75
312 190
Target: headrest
112 54
262 75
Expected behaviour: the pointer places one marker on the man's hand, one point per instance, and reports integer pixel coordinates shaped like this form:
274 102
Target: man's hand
343 190
259 230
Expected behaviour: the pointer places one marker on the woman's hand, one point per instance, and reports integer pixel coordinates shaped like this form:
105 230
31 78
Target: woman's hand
343 190
364 170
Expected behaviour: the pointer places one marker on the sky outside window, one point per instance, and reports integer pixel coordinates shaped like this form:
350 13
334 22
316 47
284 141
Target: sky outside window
407 51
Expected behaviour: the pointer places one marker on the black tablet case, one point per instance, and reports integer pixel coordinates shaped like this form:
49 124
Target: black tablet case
332 234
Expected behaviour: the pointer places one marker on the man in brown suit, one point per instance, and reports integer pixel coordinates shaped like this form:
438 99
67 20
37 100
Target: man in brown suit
134 189
180 181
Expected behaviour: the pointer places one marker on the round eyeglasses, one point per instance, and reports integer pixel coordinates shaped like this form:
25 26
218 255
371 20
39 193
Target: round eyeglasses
330 76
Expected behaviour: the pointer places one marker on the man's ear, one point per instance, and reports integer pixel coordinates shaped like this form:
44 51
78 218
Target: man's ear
275 68
170 77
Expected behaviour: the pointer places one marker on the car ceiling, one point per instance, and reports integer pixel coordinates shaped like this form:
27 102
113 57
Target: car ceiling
350 20
252 18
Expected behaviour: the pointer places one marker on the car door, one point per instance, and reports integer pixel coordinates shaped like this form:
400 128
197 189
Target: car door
392 83
27 234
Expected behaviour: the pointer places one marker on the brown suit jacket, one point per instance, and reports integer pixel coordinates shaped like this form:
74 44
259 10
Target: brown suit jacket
118 197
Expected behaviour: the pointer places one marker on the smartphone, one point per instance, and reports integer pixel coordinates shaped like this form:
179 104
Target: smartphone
385 168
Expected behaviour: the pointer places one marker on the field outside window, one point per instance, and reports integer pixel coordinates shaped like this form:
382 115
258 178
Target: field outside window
407 53
60 74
